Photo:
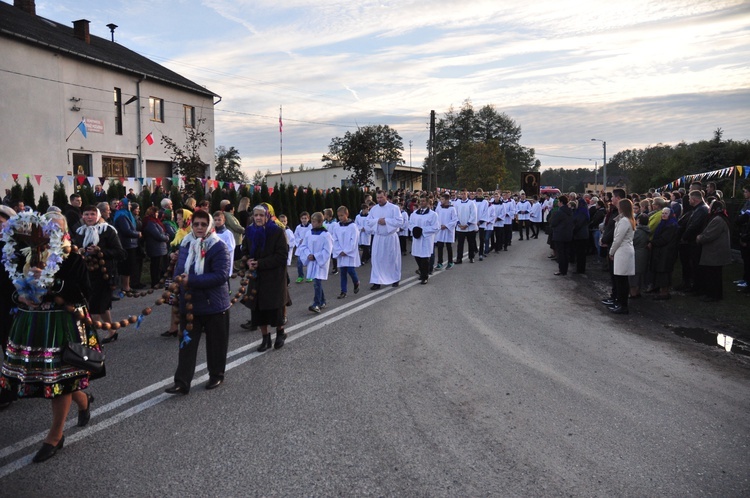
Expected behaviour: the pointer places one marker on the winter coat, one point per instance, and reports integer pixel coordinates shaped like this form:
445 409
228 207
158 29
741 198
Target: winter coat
580 225
561 223
622 248
640 246
664 247
155 240
270 280
127 232
208 291
714 239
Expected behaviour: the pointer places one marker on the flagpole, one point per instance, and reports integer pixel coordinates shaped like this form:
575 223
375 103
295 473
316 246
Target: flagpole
281 147
74 130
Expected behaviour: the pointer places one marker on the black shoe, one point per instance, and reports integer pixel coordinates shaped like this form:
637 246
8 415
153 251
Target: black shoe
214 383
115 298
111 338
471 260
47 451
85 415
335 272
423 282
342 295
177 389
458 262
169 333
356 288
266 344
608 301
395 284
280 338
620 310
375 287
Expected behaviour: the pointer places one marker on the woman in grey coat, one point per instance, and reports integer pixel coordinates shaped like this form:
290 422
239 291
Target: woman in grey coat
715 251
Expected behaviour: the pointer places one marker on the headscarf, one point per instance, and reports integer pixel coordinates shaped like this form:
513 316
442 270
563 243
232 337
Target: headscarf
153 219
198 248
272 214
124 211
91 233
257 234
167 220
184 231
663 224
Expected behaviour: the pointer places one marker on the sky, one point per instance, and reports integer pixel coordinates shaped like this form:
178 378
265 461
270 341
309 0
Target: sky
633 73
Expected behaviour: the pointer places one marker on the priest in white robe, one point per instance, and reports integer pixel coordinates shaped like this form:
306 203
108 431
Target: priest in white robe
383 223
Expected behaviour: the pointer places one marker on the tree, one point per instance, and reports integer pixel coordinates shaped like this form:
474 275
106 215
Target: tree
59 196
361 150
115 190
43 203
258 178
457 130
482 165
228 165
187 159
28 194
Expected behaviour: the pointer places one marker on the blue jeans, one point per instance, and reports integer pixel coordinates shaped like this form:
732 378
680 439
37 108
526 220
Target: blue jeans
300 268
487 241
343 272
320 297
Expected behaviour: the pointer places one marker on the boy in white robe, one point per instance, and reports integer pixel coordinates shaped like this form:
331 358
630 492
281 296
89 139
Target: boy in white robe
226 236
346 249
535 217
299 236
424 226
448 219
328 222
290 241
364 237
316 249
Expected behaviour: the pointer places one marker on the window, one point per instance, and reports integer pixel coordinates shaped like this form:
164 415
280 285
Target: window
118 111
156 109
82 164
117 166
189 112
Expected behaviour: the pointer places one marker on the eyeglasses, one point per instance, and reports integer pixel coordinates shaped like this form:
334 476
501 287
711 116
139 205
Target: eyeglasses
199 224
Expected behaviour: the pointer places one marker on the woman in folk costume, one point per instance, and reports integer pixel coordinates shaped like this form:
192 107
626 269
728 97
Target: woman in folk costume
266 249
93 237
202 271
50 281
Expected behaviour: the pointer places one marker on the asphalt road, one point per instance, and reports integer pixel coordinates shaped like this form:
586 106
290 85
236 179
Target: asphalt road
495 379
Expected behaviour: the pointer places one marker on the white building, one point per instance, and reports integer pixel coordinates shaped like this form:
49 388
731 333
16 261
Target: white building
55 76
403 177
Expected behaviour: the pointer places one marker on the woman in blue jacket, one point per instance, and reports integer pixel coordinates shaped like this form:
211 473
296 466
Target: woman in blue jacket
203 270
127 230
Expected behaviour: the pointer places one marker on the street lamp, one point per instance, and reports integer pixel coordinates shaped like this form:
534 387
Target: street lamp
604 165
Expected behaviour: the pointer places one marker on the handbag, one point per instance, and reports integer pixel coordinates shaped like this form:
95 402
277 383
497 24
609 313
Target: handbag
83 357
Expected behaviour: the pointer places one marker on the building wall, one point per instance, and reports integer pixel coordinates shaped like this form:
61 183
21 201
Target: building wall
36 116
325 178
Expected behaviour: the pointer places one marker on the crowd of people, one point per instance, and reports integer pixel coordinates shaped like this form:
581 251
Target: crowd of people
65 268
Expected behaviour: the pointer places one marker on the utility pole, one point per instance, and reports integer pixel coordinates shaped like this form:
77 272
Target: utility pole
410 142
432 153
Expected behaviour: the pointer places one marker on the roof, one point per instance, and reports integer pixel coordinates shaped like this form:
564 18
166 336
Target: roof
55 37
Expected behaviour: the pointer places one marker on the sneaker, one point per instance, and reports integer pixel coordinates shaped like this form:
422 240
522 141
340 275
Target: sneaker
335 271
314 309
342 295
471 260
481 258
308 280
300 280
356 287
450 265
738 282
323 306
742 285
439 266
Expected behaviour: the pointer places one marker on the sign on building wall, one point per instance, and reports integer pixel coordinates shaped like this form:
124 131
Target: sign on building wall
94 125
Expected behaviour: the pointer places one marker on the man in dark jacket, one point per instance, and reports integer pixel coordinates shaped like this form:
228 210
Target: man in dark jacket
202 271
692 223
73 213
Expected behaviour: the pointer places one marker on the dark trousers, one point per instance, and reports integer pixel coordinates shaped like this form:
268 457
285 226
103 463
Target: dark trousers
481 241
424 267
523 224
508 232
499 233
695 258
622 290
347 271
365 253
535 229
217 343
461 237
712 281
402 242
449 246
745 252
158 266
580 248
563 249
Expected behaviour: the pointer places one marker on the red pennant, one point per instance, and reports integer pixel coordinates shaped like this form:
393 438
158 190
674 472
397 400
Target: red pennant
38 179
122 179
158 181
270 190
257 188
81 179
15 177
102 179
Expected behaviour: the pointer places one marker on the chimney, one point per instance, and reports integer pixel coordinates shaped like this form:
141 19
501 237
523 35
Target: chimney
81 30
27 6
